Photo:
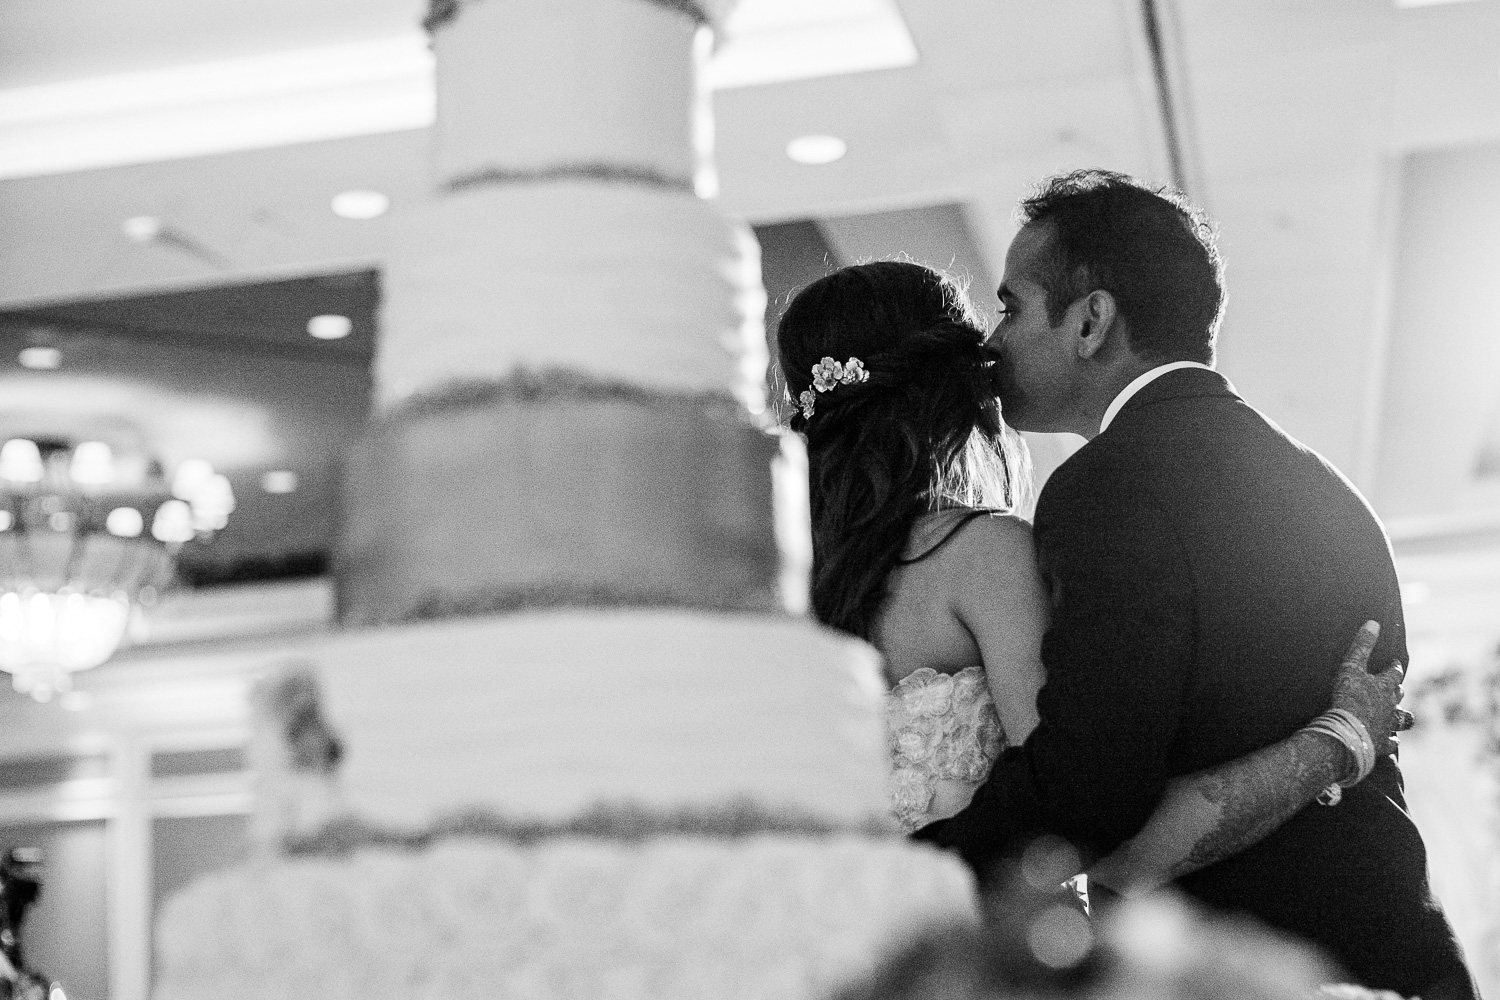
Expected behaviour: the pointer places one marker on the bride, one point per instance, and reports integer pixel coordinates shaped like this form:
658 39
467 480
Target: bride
916 548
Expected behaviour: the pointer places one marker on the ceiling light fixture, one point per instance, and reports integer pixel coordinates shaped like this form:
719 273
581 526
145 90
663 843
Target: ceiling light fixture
125 522
279 481
816 150
93 464
74 701
21 461
40 358
74 554
359 204
330 326
142 228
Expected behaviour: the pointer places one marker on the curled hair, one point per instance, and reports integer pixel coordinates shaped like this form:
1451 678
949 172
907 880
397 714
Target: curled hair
922 433
1155 253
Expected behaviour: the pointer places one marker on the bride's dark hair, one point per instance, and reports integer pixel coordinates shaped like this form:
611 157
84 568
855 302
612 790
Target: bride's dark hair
922 433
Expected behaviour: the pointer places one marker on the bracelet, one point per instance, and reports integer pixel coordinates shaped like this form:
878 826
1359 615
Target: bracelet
1334 793
1366 754
1344 726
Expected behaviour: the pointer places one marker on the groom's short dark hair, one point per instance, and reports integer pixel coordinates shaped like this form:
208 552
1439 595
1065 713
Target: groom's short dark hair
1154 252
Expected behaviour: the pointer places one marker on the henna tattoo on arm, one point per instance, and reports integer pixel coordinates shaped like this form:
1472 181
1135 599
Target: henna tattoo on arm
1214 814
1258 793
1211 815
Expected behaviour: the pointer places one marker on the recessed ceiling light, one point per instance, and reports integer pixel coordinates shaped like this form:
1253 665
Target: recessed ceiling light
40 358
359 204
330 326
817 149
142 228
75 701
279 481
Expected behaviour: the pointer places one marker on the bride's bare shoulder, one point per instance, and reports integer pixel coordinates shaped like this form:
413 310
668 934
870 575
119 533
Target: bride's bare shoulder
994 560
963 551
954 523
996 534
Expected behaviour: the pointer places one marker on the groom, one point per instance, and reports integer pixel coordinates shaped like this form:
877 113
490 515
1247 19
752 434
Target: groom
1205 570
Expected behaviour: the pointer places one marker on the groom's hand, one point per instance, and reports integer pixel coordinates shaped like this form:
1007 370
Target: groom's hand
1373 698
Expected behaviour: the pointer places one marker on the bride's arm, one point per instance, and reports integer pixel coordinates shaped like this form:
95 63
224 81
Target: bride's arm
1213 814
996 593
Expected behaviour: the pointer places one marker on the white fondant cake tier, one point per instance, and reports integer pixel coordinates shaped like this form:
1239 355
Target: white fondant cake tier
668 919
511 504
636 284
543 715
524 85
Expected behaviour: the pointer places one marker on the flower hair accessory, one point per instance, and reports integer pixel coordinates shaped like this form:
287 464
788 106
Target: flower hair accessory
827 375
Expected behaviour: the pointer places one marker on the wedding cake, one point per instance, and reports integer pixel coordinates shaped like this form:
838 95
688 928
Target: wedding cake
571 338
573 738
574 803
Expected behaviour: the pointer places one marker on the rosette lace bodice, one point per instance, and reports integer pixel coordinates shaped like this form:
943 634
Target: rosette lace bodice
940 728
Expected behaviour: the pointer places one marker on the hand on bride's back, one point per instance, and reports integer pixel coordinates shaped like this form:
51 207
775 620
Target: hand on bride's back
1372 697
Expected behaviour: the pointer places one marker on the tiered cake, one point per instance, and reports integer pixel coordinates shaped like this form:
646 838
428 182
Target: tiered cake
586 751
644 804
571 336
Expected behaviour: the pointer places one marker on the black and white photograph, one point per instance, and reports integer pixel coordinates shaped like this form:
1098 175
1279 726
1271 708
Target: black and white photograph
749 499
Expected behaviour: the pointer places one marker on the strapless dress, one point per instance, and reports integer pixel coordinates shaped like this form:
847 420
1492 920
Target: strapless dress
943 736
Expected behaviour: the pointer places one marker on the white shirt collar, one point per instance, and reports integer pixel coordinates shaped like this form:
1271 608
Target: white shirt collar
1140 383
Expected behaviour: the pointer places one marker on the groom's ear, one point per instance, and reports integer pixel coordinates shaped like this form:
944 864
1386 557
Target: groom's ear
1097 322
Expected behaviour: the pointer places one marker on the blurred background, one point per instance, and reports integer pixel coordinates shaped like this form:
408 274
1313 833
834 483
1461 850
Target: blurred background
196 198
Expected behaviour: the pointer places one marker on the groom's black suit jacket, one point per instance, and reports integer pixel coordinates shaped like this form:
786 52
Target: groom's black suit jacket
1207 573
